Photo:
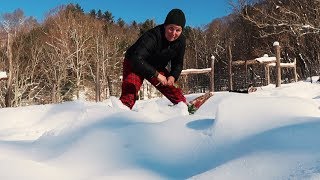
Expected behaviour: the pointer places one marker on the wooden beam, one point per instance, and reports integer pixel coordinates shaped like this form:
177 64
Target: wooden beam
250 62
195 71
286 65
243 62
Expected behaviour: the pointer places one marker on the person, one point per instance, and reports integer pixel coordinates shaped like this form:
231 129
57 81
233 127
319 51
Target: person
149 57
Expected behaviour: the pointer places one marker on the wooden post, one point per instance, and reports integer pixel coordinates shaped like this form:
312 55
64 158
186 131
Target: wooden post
110 85
295 70
212 73
278 68
267 76
230 68
246 71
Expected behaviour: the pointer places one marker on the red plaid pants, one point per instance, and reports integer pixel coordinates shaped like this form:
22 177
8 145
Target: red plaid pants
132 82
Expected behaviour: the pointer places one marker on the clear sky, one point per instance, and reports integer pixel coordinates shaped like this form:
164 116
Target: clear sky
198 12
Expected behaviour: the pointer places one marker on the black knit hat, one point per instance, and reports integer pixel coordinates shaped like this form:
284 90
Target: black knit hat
175 16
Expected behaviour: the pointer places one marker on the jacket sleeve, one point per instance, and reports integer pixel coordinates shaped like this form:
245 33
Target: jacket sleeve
177 63
142 50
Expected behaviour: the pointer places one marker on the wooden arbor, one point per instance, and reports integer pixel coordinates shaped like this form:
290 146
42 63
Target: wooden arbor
267 62
203 71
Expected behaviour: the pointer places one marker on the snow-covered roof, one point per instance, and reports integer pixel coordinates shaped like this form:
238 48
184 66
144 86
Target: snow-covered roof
266 58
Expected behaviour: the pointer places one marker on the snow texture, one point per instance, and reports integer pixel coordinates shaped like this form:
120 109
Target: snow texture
272 133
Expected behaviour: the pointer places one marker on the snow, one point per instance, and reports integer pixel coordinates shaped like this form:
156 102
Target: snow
199 71
3 74
283 64
307 26
269 134
266 58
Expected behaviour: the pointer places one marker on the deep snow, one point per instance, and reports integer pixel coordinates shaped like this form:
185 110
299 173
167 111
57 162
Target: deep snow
269 134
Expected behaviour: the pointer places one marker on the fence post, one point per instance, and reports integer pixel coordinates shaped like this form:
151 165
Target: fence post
212 73
267 74
295 70
278 68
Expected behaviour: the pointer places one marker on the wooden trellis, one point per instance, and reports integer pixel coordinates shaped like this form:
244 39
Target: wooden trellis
203 71
267 62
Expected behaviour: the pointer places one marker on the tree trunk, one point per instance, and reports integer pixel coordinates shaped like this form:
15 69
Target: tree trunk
230 68
110 85
54 92
78 87
98 95
9 93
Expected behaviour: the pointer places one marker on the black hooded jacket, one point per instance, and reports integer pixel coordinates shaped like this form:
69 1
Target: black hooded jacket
152 51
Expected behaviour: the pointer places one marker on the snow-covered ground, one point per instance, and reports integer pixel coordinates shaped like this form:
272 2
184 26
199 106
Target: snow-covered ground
272 133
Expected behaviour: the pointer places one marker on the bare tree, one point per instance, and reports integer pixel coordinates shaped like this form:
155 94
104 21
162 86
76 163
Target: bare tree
80 36
99 58
296 19
11 22
58 57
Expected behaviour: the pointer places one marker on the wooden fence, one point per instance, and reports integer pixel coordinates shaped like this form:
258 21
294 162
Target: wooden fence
187 72
265 61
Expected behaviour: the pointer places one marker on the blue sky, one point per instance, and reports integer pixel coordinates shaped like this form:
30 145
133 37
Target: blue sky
198 13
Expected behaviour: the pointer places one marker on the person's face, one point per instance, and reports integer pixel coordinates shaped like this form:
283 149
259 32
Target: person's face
172 32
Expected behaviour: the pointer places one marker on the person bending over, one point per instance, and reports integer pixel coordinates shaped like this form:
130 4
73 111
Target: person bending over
149 56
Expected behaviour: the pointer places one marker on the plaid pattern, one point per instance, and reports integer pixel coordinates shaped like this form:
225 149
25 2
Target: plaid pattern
132 82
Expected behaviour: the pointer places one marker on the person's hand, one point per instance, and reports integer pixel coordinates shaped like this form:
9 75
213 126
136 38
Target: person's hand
171 80
162 79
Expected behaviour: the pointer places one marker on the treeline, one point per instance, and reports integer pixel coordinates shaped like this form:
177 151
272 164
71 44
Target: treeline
75 53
